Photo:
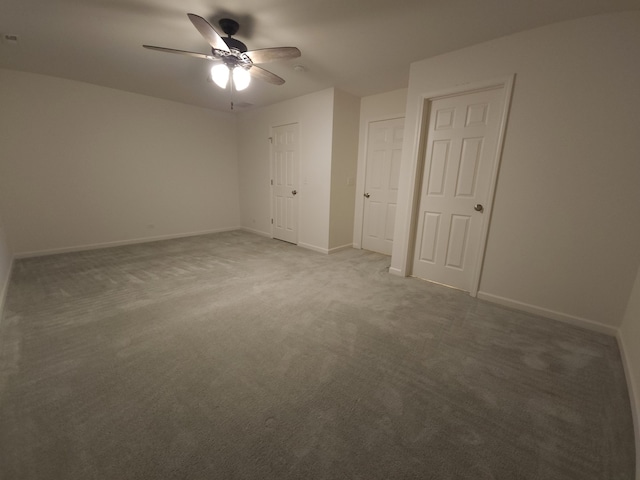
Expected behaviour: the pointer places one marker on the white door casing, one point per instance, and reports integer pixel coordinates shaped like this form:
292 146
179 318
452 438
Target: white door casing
382 171
284 190
462 143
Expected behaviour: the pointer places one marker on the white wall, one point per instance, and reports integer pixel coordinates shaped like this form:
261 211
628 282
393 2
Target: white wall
6 262
314 115
565 230
630 341
344 164
383 106
82 165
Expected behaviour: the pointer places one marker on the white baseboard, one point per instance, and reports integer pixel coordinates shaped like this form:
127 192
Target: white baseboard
257 232
117 243
300 244
347 246
544 312
395 271
5 286
314 248
308 246
634 398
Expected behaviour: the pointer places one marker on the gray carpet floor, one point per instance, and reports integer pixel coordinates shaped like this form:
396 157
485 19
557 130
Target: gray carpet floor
234 356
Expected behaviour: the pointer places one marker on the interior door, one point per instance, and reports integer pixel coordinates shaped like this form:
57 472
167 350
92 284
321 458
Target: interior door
462 142
384 152
284 150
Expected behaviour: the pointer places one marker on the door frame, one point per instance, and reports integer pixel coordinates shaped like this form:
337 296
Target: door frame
271 177
361 177
420 145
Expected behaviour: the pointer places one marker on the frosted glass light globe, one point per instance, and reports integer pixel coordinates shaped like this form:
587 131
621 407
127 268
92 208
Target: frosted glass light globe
241 78
220 75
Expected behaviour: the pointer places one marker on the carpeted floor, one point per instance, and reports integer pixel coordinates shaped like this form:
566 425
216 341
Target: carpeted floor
233 356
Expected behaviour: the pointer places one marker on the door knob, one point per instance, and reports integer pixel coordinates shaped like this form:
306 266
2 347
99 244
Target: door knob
366 195
293 192
478 207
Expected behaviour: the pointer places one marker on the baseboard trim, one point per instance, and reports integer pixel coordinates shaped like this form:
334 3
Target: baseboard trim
5 286
346 246
634 391
256 232
314 248
395 271
118 243
545 312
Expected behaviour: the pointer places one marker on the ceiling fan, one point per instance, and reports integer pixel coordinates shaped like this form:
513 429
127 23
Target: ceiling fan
231 55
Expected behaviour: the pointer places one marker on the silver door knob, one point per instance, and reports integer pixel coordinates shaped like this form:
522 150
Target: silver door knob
478 207
293 192
366 195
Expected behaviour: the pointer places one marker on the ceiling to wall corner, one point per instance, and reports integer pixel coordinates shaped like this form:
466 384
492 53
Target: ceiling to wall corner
361 47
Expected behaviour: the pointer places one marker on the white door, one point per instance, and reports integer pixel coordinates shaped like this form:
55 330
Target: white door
461 146
284 149
384 152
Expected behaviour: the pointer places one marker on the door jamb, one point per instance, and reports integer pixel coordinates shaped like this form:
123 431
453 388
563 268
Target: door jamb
506 83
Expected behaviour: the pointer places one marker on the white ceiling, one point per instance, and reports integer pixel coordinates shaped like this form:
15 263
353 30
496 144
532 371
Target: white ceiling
360 46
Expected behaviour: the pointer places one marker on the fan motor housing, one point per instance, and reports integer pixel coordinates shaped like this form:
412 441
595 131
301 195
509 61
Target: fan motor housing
234 44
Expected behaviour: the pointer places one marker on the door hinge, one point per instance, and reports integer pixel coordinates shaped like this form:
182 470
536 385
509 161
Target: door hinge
272 221
271 181
270 139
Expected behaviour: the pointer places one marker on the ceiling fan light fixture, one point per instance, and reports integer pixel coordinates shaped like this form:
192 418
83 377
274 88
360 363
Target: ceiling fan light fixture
233 53
241 78
220 75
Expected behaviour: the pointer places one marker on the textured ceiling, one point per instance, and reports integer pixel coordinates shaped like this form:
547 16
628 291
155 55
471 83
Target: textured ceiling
362 47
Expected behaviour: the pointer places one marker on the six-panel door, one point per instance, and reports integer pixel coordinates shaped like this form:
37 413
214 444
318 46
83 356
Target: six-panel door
384 152
462 139
285 183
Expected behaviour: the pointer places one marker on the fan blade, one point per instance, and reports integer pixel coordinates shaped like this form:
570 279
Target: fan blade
265 75
208 32
265 55
181 52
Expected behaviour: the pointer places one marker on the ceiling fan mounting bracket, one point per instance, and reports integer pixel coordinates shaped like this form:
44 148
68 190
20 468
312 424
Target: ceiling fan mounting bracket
229 26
